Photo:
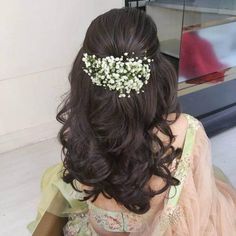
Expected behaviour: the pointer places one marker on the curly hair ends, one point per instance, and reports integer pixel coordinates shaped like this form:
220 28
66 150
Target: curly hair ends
108 142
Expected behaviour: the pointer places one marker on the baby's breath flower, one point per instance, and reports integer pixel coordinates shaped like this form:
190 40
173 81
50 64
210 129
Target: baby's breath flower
121 74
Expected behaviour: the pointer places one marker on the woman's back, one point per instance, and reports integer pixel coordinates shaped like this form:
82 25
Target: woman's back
179 129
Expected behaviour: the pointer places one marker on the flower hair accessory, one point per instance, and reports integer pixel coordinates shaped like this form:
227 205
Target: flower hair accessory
121 74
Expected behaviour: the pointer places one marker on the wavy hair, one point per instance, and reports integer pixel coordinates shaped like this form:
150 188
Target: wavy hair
108 142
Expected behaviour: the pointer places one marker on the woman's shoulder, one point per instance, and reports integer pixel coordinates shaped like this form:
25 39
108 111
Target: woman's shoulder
183 119
183 122
179 125
179 121
192 121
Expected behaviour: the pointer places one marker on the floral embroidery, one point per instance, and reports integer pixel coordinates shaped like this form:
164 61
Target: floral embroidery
171 217
107 221
78 224
172 211
133 222
181 171
193 122
115 221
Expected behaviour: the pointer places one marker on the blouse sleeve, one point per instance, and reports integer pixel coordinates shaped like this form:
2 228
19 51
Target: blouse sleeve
58 200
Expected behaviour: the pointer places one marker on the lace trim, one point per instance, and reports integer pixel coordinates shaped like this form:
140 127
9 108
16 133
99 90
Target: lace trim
116 221
172 211
170 217
78 224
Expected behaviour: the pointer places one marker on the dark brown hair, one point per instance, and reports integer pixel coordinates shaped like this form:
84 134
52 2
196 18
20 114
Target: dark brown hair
108 141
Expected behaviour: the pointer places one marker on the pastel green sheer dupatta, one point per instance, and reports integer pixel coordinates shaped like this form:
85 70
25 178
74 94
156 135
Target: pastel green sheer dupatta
58 201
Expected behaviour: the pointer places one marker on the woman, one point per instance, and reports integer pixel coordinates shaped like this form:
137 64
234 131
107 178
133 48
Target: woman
133 164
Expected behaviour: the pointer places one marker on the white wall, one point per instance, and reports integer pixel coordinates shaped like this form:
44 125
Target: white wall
38 43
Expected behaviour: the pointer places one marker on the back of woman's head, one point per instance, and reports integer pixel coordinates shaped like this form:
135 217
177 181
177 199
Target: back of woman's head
108 140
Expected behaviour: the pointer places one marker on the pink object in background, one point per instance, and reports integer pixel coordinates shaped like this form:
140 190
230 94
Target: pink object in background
198 59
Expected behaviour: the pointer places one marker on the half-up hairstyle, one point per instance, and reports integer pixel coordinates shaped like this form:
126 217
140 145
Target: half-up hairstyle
107 141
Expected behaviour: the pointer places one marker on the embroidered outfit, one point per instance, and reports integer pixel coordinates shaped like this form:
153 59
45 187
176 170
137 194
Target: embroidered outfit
203 204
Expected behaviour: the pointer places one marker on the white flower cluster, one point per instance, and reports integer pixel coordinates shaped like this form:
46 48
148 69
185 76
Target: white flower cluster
121 74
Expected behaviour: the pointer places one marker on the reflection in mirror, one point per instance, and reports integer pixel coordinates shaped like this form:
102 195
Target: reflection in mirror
198 37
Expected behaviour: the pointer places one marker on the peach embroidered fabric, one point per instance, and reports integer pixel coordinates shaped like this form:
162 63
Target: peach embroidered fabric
207 203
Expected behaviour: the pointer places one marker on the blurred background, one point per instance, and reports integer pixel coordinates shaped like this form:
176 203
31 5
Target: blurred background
38 43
